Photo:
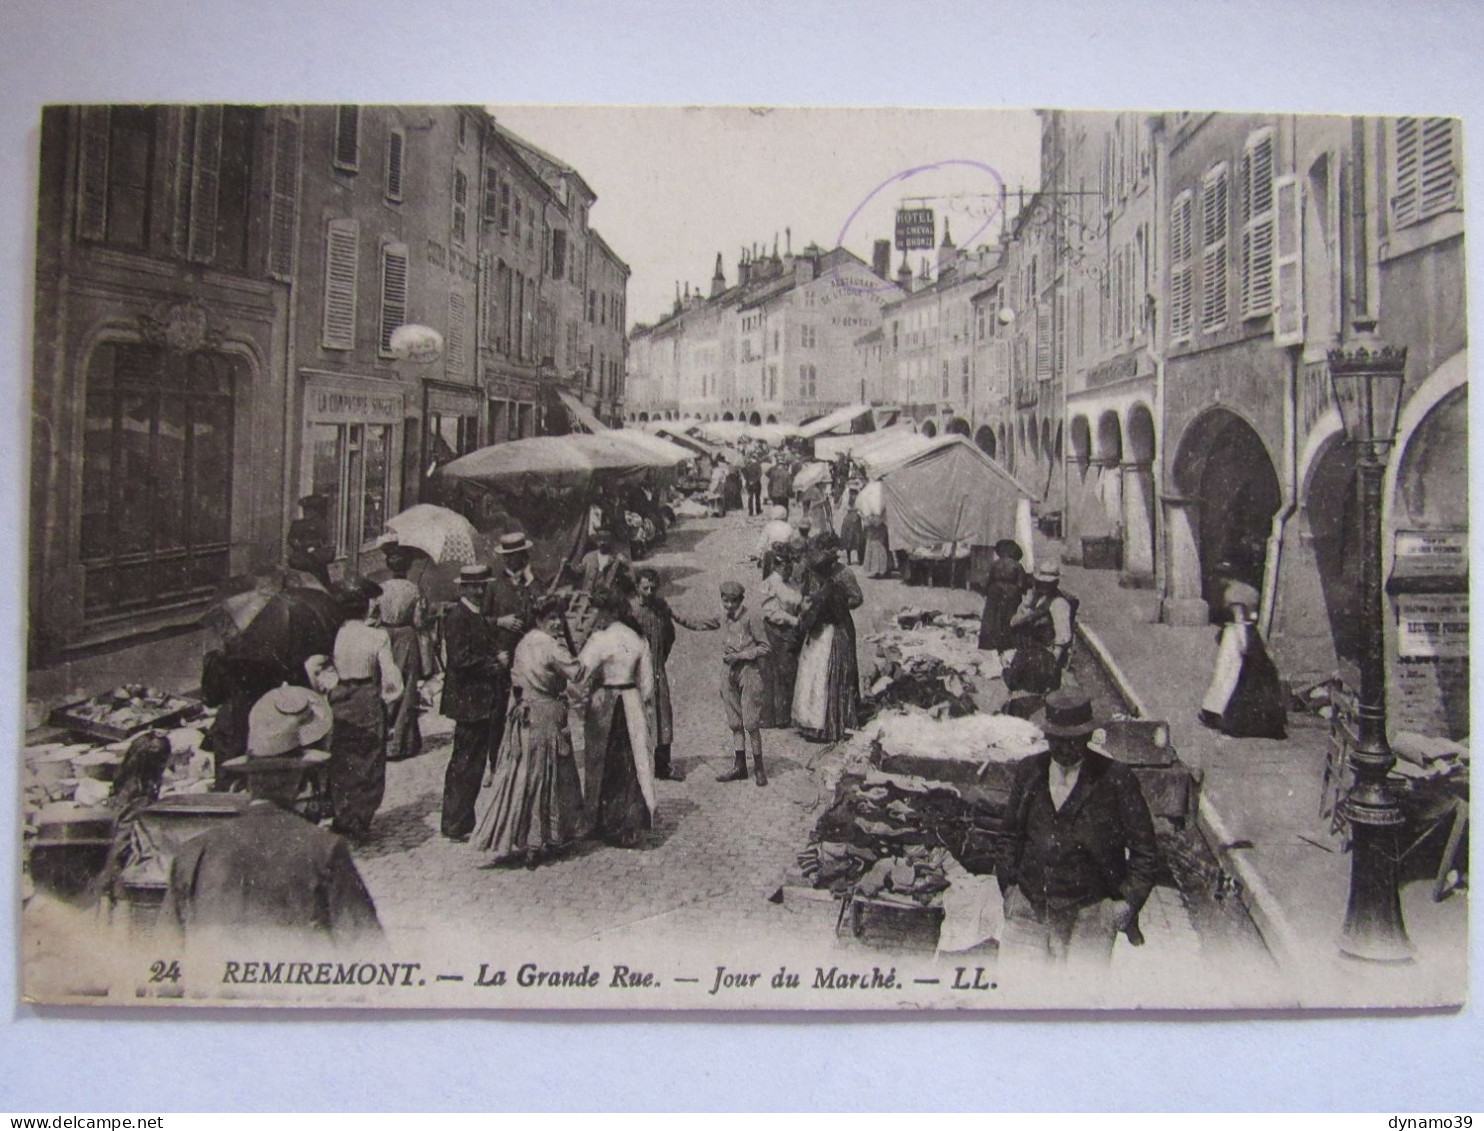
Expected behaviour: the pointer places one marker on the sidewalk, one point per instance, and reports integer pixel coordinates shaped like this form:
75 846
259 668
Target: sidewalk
1259 811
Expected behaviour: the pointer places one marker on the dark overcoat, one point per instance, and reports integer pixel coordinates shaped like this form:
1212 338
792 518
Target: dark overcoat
469 685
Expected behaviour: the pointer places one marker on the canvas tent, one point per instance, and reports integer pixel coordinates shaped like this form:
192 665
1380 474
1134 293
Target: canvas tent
841 420
580 416
950 491
892 447
832 447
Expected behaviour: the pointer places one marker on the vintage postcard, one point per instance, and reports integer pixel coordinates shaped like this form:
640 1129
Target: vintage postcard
746 559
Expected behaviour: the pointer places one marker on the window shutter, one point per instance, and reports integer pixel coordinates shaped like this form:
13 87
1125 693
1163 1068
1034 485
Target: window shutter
460 205
1257 229
457 309
92 174
204 180
1043 342
504 206
482 318
283 226
491 205
1288 324
1214 207
1426 168
342 255
393 292
347 137
1061 336
396 146
1181 281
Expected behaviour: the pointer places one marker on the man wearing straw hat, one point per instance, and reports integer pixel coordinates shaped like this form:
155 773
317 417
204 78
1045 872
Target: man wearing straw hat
269 869
1078 855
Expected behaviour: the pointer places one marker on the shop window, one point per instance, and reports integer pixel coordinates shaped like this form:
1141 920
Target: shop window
157 477
347 154
451 435
350 465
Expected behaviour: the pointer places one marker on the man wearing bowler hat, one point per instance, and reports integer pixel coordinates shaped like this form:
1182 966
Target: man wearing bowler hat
476 691
1078 856
270 870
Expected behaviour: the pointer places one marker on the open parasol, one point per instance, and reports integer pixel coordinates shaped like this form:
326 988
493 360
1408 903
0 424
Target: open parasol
276 625
444 535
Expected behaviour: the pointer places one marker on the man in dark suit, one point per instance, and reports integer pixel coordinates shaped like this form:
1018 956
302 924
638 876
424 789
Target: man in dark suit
1078 858
269 871
476 688
513 591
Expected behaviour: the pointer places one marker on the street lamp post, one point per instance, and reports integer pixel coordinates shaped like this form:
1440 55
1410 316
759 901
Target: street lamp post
1367 377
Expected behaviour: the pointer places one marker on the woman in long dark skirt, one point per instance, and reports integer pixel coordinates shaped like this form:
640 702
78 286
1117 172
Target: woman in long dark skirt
1245 697
827 687
368 682
618 783
1002 593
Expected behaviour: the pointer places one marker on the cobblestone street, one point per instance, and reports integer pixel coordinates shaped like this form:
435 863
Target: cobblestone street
718 850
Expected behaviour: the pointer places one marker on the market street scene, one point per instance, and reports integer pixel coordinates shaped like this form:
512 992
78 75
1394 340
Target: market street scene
1029 571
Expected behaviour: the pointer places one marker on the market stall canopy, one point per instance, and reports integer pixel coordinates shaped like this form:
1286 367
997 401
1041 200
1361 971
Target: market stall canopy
833 447
442 534
891 448
810 474
841 419
570 460
950 491
677 436
657 446
581 416
773 433
723 431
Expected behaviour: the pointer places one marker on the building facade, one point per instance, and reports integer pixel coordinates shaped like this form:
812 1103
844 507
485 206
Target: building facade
217 289
164 269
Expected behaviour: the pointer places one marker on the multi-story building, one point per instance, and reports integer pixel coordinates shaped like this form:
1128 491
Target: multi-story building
1288 236
928 340
217 289
779 344
165 268
989 407
1105 202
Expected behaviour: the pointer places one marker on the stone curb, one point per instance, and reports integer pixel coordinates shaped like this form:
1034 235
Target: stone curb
1261 904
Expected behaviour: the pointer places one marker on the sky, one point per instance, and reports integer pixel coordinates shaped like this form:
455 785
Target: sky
677 185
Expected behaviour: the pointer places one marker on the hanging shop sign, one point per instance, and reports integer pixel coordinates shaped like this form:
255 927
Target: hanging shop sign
915 229
416 343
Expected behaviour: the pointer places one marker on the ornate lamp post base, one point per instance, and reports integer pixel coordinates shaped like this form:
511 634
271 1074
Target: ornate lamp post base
1374 930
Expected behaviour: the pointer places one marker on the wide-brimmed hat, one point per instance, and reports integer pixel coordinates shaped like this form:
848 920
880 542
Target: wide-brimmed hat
474 575
1068 715
513 543
1048 571
279 726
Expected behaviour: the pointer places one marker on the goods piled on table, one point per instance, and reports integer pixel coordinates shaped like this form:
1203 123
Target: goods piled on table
930 660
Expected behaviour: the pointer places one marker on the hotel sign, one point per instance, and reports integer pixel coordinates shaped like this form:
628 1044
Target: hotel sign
915 229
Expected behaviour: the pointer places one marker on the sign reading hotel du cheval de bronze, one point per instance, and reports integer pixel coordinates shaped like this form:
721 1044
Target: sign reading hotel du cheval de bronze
640 642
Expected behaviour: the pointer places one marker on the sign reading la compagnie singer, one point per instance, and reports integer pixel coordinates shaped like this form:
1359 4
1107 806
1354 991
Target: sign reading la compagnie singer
916 229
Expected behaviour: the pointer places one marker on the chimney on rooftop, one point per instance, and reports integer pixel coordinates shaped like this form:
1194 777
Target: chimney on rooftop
718 278
881 260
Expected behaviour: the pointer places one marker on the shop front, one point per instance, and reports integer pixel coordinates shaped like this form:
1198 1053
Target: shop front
354 432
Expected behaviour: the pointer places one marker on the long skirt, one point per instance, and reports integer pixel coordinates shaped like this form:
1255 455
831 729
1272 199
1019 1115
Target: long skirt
852 536
827 687
664 711
1000 602
780 669
1245 697
404 737
357 755
535 803
623 814
877 561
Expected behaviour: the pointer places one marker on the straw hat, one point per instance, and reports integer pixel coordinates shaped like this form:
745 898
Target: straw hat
1049 572
514 543
474 575
281 724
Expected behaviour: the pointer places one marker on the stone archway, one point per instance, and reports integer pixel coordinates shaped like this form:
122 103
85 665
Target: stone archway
1138 497
754 418
772 419
726 416
958 426
1108 454
1226 492
985 440
644 418
929 429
